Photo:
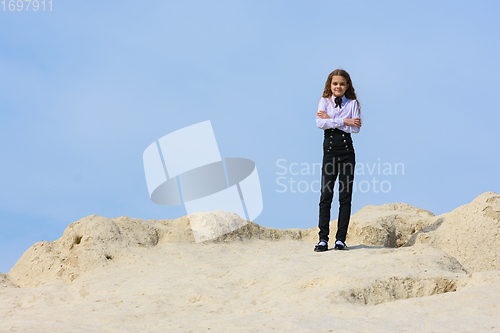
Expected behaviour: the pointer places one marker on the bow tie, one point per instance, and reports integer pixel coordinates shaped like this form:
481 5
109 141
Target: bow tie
338 101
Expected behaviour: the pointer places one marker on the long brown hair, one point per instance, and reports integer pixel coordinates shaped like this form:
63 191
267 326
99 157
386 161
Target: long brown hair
350 93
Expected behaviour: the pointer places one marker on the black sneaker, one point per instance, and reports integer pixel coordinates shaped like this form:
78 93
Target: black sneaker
321 246
340 245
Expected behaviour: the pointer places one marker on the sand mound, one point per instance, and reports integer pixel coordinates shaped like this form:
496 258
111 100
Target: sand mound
252 230
389 225
125 274
400 274
96 241
259 285
220 226
91 242
470 233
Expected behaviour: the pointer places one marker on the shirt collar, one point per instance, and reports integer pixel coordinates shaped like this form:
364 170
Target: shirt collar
343 98
332 99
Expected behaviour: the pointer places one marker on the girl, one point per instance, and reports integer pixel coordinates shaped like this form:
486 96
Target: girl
338 115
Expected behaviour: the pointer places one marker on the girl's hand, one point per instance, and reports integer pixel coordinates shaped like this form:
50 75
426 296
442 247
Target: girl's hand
356 122
323 115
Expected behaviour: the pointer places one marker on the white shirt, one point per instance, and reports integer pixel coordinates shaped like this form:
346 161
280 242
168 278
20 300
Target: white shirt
348 109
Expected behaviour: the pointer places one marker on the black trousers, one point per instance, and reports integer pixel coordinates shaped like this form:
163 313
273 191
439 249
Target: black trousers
338 162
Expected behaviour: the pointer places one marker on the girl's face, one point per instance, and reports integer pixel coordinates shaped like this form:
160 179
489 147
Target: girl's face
339 85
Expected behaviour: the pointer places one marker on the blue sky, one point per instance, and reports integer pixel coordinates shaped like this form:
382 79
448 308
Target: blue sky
86 87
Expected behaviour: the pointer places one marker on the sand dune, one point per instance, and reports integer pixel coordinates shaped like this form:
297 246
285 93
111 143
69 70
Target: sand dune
405 270
470 233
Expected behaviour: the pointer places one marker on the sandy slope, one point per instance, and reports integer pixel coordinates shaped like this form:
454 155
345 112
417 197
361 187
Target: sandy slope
406 270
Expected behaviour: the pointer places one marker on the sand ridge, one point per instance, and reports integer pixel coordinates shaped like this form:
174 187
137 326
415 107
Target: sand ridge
125 274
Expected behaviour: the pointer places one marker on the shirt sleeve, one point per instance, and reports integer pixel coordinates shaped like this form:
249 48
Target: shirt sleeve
323 124
355 114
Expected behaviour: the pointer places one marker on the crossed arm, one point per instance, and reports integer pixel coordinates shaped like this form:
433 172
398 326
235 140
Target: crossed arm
356 122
